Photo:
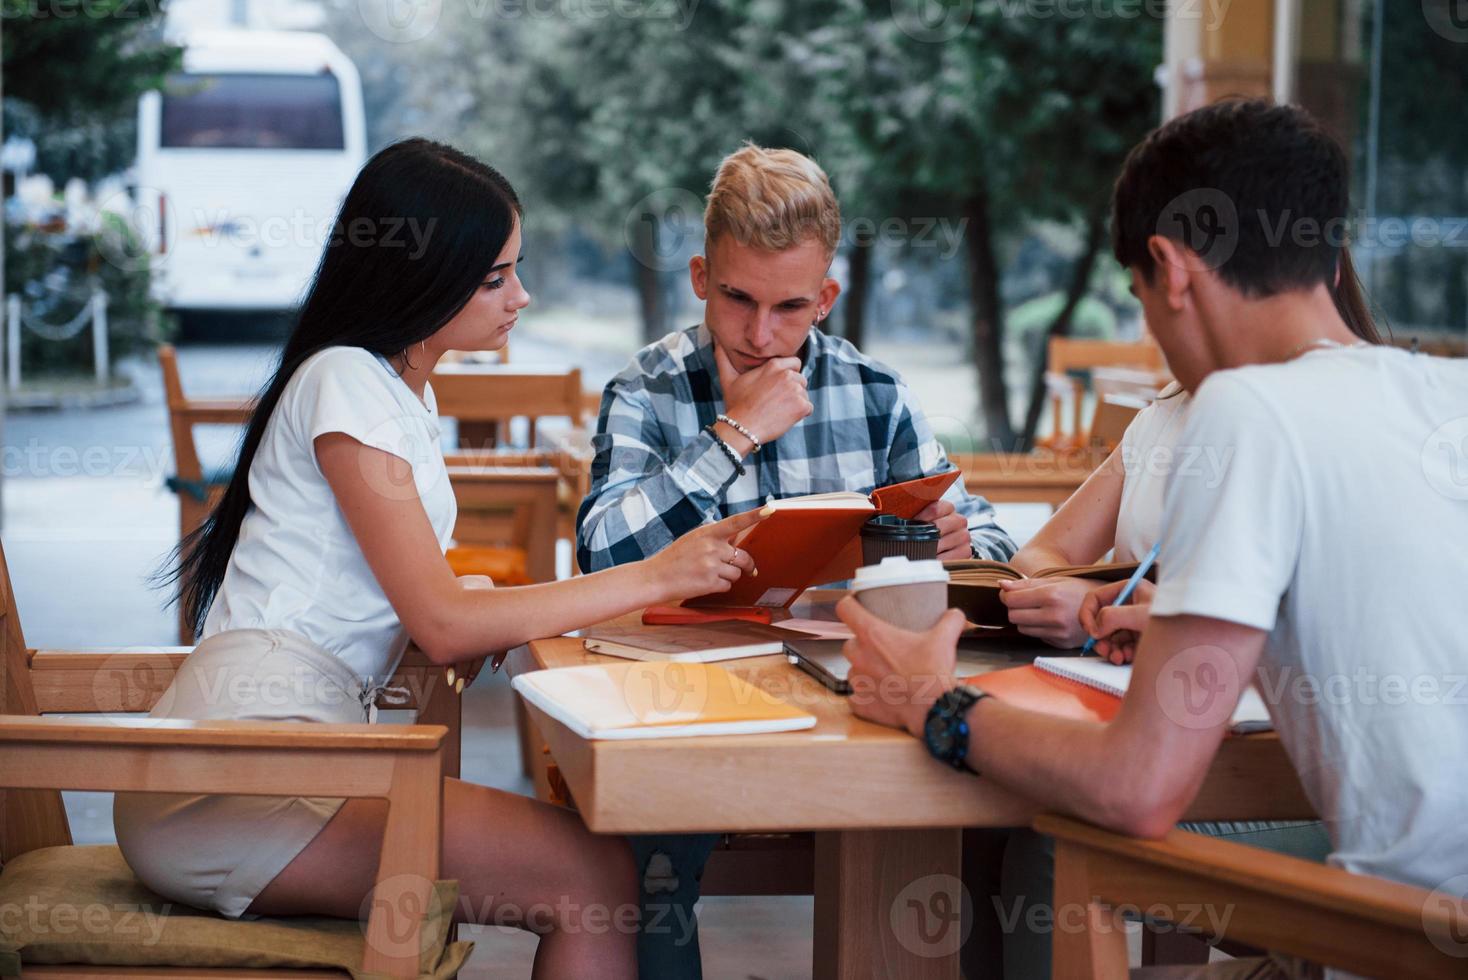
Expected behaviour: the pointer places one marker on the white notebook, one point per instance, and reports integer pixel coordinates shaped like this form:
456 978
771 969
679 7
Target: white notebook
1250 716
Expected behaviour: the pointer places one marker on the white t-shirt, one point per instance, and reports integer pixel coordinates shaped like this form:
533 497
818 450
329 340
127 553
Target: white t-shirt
1148 454
297 565
1339 524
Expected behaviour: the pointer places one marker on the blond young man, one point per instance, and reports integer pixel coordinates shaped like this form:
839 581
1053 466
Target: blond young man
753 404
757 402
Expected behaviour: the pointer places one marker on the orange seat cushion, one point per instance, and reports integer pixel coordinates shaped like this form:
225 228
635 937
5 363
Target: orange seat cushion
506 566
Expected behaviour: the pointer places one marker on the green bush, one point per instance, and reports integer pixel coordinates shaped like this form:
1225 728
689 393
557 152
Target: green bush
1027 322
56 269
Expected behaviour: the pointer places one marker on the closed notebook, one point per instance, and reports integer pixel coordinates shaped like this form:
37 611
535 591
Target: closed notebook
704 643
657 700
973 584
815 539
1090 689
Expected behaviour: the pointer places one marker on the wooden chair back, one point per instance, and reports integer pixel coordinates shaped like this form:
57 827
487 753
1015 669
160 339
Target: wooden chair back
29 818
485 399
1109 423
1320 913
1066 355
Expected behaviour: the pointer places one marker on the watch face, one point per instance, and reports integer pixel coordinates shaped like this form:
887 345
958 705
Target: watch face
939 736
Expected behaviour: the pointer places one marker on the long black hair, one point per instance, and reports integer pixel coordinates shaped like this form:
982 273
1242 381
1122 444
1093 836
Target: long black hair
417 234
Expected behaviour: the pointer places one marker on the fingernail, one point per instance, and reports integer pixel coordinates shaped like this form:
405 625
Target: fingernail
767 510
459 686
450 675
754 573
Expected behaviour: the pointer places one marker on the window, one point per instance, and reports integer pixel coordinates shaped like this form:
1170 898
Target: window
252 111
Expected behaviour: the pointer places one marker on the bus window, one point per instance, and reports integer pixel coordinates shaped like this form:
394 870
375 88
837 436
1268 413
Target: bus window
254 112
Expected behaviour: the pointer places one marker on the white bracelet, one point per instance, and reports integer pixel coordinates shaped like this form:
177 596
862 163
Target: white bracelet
741 430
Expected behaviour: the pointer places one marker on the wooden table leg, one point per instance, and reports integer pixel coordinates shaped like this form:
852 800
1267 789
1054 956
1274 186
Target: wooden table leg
889 903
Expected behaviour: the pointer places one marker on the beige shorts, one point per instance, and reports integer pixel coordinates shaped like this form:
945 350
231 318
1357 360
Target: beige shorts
219 852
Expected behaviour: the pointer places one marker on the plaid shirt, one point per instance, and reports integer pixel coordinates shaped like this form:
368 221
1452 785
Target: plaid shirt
658 474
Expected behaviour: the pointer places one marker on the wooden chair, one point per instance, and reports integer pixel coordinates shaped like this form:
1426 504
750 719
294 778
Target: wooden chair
486 399
41 756
1066 357
1043 476
198 493
1323 914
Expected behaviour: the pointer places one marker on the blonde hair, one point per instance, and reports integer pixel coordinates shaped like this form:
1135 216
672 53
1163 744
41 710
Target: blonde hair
772 200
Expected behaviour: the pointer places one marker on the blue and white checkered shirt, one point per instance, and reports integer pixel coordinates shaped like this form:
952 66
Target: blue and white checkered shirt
658 474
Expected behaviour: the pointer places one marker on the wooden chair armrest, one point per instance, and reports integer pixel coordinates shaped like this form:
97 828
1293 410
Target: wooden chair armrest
399 763
214 411
1322 913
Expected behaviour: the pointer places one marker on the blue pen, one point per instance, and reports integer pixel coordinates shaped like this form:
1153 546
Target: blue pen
1131 586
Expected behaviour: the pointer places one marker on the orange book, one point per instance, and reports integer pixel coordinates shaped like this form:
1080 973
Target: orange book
657 700
815 539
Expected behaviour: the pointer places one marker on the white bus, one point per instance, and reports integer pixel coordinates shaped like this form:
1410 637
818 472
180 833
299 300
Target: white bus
244 158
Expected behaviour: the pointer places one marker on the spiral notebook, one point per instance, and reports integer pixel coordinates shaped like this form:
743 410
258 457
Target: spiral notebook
1250 715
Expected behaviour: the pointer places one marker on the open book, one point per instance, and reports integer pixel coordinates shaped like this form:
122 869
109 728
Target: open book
815 539
1091 689
657 700
973 584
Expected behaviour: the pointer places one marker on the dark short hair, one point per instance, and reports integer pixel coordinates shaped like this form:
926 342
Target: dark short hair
1262 187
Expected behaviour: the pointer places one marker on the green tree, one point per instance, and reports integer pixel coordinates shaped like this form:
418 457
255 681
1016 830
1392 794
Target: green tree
73 70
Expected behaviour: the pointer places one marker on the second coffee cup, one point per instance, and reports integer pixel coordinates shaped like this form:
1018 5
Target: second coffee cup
909 594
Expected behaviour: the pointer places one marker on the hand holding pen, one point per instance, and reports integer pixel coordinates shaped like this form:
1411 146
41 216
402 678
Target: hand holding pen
1115 627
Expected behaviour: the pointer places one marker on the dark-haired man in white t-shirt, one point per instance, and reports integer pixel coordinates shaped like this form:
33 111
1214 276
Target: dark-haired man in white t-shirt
1329 561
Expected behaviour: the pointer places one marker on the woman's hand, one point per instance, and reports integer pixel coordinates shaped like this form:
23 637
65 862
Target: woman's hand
1048 608
1117 629
704 560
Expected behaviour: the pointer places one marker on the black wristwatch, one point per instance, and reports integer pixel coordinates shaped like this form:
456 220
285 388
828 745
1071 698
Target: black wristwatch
946 730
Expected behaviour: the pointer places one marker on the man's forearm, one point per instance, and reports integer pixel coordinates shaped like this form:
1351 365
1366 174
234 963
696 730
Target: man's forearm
1061 763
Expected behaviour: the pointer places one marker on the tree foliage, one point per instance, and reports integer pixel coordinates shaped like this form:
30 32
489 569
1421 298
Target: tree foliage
73 70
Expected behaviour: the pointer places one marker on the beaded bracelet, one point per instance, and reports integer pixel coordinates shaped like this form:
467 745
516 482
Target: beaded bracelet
728 449
742 431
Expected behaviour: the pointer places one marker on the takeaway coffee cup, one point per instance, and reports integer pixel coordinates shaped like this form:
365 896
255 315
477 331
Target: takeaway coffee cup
884 536
910 594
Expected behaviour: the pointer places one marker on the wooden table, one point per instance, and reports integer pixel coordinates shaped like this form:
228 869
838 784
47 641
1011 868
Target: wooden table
888 816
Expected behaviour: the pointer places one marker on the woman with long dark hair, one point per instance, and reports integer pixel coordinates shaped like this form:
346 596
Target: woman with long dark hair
327 553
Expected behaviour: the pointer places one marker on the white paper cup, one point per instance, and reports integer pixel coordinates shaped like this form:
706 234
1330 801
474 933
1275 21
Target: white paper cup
912 595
